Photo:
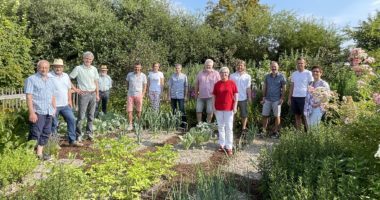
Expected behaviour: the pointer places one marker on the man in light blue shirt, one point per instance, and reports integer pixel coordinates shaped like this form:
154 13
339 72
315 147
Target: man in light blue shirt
40 90
64 102
105 85
178 86
87 77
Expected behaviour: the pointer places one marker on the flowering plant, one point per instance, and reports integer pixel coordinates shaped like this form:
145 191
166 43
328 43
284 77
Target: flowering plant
320 94
360 61
376 98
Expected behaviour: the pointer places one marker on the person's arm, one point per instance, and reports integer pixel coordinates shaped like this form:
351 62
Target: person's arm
186 88
283 89
264 93
196 88
97 90
213 102
291 88
53 102
236 99
32 115
162 82
144 87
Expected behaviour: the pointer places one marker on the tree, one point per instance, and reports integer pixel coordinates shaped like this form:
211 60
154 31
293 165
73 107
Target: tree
367 34
15 61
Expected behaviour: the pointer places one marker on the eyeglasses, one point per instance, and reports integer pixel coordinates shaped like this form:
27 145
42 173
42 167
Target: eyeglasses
316 71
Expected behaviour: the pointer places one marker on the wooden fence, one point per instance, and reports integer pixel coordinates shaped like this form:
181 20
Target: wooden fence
11 98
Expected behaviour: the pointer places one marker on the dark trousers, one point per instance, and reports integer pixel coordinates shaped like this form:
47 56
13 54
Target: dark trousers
179 104
41 130
104 96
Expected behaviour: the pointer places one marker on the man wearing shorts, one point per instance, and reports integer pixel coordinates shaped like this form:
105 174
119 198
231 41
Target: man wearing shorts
136 84
298 88
273 97
243 82
204 86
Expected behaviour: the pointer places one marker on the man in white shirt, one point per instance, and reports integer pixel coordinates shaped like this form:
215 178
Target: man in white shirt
243 82
64 102
300 80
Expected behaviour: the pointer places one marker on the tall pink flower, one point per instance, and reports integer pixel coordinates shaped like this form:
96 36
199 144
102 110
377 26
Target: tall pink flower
376 98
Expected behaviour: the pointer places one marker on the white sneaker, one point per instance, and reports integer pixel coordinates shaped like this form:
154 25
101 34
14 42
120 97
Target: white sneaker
130 127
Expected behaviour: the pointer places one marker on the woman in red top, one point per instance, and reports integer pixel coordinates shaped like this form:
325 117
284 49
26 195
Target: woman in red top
225 99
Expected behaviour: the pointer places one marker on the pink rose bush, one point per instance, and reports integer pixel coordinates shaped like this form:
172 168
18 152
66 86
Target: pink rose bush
360 61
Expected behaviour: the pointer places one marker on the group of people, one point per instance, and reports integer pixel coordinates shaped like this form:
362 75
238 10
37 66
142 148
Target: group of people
49 94
220 93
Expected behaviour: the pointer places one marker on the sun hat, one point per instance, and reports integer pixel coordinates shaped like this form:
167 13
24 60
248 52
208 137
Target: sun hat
103 67
57 62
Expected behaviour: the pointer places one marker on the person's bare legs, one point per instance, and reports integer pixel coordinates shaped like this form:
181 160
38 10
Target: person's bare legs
199 117
298 121
277 121
138 114
209 117
130 117
244 122
39 150
265 123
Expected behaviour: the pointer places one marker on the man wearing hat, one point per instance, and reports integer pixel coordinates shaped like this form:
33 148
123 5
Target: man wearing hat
105 84
64 102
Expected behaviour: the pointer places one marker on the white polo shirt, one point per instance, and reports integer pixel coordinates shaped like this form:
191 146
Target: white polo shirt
243 82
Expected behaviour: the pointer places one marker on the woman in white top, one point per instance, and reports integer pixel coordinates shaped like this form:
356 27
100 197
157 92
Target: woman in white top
155 85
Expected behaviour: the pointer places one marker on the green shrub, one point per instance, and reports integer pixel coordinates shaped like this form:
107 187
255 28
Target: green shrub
16 163
328 163
13 128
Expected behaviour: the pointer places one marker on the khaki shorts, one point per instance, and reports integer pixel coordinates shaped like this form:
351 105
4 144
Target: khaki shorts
202 102
271 105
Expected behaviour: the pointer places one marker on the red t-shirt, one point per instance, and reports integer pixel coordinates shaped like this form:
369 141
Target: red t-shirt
224 92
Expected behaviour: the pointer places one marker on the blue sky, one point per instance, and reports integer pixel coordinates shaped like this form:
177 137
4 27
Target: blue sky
339 12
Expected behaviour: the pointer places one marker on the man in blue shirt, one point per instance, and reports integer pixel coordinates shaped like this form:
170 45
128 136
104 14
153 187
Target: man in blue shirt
40 98
273 97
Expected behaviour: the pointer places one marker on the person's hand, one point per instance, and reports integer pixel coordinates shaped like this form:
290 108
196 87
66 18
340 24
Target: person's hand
249 100
262 101
235 110
33 117
281 102
97 98
79 91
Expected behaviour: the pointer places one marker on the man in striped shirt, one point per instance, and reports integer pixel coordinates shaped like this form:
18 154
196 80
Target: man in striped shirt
40 97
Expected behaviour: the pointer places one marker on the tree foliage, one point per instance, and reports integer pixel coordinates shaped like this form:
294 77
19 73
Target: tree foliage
15 62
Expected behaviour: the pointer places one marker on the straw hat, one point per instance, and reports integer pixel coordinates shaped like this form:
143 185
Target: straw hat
57 62
103 68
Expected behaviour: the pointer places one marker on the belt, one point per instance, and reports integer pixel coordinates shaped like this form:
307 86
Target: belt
88 92
103 91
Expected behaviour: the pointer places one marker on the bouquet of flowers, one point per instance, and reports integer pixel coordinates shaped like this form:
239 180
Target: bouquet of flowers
320 94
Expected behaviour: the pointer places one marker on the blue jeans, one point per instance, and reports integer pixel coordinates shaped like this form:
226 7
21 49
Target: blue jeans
68 116
104 96
180 103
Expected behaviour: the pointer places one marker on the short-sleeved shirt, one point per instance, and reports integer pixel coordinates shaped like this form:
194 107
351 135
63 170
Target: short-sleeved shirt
224 92
274 85
42 92
178 84
105 83
63 85
301 81
136 83
155 81
206 82
86 77
243 82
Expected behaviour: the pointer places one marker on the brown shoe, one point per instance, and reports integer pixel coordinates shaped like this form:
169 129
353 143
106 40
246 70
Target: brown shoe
76 144
229 152
221 149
